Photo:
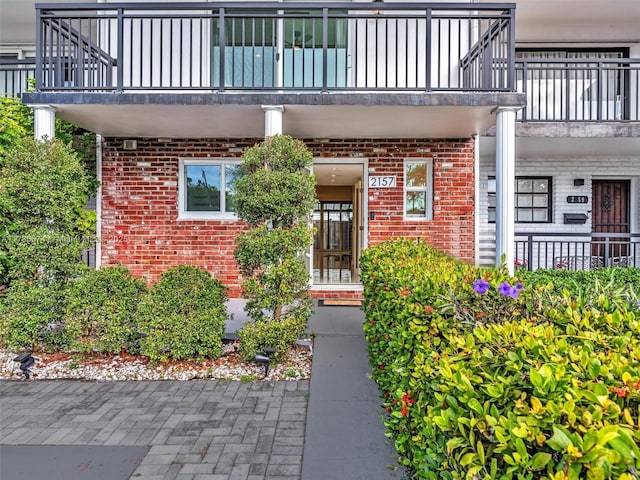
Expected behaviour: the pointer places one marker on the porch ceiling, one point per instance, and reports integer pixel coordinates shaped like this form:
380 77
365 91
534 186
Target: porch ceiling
569 21
568 147
300 120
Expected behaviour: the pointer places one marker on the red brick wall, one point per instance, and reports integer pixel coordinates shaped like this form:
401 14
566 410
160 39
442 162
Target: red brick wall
139 201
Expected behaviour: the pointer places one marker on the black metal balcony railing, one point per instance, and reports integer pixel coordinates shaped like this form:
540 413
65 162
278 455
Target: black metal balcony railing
15 76
577 251
280 46
583 90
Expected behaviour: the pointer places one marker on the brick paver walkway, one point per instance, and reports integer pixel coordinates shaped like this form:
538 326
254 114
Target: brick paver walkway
197 430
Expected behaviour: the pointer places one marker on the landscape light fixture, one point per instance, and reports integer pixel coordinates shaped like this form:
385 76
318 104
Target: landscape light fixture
26 362
265 359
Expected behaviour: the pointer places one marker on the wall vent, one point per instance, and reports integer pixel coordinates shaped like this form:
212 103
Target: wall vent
129 144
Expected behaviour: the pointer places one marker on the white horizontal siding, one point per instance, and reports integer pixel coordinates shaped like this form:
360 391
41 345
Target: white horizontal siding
562 172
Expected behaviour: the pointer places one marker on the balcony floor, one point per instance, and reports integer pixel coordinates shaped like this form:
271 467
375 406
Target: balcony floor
333 115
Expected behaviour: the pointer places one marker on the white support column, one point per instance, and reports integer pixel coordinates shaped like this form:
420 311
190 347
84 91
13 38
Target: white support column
505 185
272 120
44 120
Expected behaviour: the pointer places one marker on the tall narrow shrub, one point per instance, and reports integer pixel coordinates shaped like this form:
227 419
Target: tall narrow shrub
275 195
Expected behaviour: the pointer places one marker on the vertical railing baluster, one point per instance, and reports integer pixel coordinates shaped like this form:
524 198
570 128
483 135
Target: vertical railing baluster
512 50
600 92
325 44
39 49
120 62
222 43
428 46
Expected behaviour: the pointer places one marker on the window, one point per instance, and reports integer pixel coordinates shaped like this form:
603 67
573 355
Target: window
206 188
533 199
418 189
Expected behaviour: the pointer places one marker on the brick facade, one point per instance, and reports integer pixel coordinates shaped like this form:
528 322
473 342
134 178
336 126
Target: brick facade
140 228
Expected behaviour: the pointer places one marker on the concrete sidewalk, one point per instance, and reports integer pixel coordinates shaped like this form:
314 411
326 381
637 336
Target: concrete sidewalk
344 438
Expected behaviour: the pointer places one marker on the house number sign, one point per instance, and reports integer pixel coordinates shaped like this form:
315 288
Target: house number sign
577 199
382 181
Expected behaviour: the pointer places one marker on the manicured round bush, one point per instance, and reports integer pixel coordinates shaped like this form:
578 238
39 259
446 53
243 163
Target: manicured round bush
183 315
101 311
30 315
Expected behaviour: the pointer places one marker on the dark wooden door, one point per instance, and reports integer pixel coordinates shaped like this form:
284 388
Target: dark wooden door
610 215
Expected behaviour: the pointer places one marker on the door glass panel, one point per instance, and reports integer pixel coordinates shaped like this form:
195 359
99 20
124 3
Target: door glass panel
333 223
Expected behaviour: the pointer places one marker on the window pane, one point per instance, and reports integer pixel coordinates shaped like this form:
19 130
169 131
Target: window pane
492 200
524 215
540 200
540 215
417 203
416 174
231 174
492 214
203 187
523 200
540 185
492 185
524 185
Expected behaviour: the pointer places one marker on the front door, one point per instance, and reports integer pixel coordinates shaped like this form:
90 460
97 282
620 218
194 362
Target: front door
338 223
611 215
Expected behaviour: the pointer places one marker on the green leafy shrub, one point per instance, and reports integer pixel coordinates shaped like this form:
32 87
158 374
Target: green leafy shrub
183 315
499 380
43 191
279 334
101 311
574 281
30 315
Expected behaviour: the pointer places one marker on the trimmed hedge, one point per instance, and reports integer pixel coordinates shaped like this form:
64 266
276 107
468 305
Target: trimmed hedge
612 278
108 310
484 377
31 315
101 311
183 315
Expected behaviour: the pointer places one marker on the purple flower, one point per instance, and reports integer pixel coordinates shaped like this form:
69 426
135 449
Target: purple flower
515 291
481 286
519 286
504 289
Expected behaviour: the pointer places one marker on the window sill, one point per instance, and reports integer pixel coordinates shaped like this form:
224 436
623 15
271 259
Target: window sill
229 217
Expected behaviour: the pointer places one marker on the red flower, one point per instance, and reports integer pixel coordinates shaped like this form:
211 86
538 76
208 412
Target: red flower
621 392
404 411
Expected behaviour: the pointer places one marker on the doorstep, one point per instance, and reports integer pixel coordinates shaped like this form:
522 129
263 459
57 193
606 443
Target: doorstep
338 291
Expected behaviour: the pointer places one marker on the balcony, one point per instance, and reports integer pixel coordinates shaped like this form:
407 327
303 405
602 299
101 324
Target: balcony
341 70
301 47
579 90
576 251
15 76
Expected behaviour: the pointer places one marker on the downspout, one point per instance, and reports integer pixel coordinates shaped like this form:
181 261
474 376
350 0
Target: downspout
99 201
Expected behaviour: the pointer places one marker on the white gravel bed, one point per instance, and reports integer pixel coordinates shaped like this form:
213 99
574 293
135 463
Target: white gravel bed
62 365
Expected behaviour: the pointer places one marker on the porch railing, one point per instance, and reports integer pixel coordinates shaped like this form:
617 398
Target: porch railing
579 90
281 46
577 251
15 75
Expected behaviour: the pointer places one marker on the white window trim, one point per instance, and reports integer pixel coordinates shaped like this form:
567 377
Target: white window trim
428 188
184 214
